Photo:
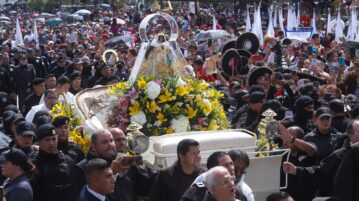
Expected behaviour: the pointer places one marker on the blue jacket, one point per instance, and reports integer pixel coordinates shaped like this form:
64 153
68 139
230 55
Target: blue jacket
85 195
18 189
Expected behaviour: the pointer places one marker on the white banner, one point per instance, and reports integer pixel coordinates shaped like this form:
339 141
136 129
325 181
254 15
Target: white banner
301 35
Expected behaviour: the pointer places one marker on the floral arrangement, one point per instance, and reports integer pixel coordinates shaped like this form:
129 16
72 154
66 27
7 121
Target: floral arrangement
75 134
167 106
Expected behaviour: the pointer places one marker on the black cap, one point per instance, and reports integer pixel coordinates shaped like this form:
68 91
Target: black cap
25 128
39 114
355 111
18 157
302 102
60 120
46 130
37 81
43 120
336 106
256 97
75 75
275 105
323 112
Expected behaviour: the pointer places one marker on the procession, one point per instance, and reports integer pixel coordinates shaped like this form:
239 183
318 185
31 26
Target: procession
179 100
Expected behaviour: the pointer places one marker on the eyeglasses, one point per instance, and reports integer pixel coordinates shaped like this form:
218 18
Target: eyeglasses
227 181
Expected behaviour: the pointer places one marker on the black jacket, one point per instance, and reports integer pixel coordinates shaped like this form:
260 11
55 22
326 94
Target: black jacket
51 180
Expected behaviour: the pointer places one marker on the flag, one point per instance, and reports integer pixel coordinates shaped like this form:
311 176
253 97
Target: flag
329 27
36 35
275 20
339 28
281 18
257 25
248 22
214 26
313 22
19 41
270 30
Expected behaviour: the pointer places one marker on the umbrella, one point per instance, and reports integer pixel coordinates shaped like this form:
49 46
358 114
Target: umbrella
211 34
13 12
41 20
54 21
5 22
4 18
75 17
118 40
105 5
83 12
47 15
120 21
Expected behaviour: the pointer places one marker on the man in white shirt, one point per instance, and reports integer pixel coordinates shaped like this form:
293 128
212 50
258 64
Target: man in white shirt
62 89
50 99
100 181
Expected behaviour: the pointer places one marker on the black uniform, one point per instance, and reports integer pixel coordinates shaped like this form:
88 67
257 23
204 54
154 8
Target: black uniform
23 76
72 150
340 123
39 65
249 120
30 101
51 180
101 81
5 81
58 71
325 144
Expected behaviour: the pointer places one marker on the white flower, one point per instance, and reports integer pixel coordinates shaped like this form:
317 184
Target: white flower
139 118
158 123
180 82
180 124
153 90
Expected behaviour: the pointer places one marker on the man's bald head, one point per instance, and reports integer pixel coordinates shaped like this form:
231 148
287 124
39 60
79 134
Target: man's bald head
296 131
120 139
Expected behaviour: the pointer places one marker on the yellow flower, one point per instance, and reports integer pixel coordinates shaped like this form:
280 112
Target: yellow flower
155 132
215 103
203 85
199 100
134 108
189 88
191 113
207 108
175 109
166 97
160 117
181 90
121 85
152 106
169 130
212 125
141 83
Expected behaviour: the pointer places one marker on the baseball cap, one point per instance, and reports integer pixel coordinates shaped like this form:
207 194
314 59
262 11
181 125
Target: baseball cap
25 128
60 120
323 112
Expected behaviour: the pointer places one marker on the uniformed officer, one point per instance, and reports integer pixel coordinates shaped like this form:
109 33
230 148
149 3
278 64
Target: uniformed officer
51 181
59 68
38 85
75 85
67 146
23 75
5 79
39 66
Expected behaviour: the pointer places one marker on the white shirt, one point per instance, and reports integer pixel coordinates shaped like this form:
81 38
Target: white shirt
247 191
99 196
69 97
30 115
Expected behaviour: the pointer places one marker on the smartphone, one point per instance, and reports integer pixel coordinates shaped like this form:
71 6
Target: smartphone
133 161
341 60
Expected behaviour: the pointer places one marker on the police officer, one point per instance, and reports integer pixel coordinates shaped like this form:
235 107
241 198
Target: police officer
67 146
51 181
23 75
5 79
59 67
39 66
38 85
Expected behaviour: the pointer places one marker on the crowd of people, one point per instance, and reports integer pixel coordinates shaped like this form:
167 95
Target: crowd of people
313 88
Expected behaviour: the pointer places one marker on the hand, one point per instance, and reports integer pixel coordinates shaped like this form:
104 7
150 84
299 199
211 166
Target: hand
286 137
289 168
117 165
